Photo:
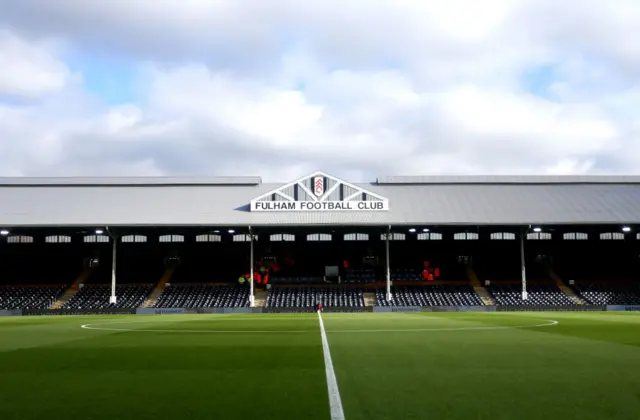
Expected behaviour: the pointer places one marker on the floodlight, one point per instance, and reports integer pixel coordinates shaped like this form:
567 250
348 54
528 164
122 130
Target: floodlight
232 231
425 230
4 232
626 229
412 230
99 231
537 229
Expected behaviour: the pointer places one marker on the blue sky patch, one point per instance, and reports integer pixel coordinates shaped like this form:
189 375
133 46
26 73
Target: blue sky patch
109 78
538 80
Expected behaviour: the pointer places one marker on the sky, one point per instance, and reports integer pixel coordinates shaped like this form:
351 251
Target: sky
282 88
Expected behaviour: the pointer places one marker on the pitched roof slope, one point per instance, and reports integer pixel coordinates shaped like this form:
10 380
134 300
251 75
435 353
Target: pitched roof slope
411 202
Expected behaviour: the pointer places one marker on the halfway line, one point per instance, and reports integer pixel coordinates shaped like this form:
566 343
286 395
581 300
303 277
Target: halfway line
335 402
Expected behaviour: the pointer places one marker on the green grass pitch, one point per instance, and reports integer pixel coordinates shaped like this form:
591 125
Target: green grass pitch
388 366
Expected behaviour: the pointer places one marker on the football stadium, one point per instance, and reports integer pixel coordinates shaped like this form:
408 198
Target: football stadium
410 297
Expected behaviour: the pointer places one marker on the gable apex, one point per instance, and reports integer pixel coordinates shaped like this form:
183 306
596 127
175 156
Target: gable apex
319 191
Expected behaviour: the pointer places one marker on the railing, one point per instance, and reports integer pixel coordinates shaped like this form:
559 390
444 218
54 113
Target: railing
312 310
105 311
309 310
541 308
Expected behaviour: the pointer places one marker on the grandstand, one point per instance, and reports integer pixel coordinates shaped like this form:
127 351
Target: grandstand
398 242
452 295
97 297
284 297
425 282
29 297
202 296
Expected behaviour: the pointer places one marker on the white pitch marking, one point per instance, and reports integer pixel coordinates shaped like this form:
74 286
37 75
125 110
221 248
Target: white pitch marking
335 402
90 327
93 327
502 327
261 318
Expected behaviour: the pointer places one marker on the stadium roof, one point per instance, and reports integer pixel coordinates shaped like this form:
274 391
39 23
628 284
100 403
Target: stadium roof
509 179
227 201
131 181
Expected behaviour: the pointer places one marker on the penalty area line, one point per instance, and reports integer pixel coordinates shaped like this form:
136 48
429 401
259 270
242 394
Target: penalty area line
335 402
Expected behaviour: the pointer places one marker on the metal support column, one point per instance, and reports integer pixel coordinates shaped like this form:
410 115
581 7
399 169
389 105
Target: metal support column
523 268
389 297
113 298
251 297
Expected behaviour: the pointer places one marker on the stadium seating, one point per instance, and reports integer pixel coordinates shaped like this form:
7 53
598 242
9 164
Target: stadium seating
97 297
505 271
202 296
294 280
451 295
39 264
368 275
134 266
538 295
359 276
19 297
594 262
406 274
306 297
602 294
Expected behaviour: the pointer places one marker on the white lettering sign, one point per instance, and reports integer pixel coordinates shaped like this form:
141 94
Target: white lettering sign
319 206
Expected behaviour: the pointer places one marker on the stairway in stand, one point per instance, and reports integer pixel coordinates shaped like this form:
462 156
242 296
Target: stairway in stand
153 297
479 288
68 294
369 299
260 299
566 289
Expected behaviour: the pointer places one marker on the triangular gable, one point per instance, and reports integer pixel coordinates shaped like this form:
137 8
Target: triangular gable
319 192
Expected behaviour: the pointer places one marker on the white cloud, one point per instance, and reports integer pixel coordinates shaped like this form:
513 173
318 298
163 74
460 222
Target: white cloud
29 69
256 110
357 88
526 121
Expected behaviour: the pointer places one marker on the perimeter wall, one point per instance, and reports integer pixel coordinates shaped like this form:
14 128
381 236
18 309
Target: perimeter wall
379 309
